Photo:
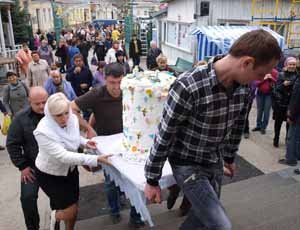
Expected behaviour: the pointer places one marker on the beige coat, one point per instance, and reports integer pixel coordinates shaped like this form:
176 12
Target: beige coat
38 73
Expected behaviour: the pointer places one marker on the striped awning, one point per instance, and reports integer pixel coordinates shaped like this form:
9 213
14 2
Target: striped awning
213 40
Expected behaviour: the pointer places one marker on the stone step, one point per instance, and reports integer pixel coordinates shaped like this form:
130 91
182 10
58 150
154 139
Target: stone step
160 216
256 212
246 185
267 202
282 222
263 198
253 190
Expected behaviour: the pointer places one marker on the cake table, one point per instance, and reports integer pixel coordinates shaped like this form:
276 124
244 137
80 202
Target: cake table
129 176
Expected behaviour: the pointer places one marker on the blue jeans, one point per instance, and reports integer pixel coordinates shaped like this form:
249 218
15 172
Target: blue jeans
293 144
264 104
29 196
202 186
113 196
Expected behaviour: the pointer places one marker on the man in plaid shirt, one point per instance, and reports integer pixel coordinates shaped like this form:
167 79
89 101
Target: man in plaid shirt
202 124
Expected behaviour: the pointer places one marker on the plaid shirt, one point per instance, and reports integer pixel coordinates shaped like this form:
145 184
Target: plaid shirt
202 122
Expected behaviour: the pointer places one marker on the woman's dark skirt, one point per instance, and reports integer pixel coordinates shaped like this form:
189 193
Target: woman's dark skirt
63 191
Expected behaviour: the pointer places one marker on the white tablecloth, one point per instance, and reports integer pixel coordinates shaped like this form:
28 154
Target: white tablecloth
130 176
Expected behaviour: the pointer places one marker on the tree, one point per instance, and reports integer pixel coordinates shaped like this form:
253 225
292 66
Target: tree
21 27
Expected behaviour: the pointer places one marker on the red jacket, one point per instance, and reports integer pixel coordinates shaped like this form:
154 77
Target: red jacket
265 86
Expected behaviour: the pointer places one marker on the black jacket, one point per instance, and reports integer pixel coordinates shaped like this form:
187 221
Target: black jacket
84 48
21 144
282 93
151 57
132 51
100 51
294 106
85 76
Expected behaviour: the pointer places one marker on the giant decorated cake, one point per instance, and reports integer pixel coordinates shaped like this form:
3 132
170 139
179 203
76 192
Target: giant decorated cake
144 94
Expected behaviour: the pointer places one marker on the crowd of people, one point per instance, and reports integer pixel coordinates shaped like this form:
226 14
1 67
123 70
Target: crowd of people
274 92
58 94
56 85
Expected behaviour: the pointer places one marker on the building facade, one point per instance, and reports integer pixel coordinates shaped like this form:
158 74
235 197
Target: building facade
101 9
173 29
41 14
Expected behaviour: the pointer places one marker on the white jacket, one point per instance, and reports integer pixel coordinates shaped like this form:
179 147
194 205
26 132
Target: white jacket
54 159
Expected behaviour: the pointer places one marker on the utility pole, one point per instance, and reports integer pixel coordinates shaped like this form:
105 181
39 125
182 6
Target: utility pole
57 20
129 23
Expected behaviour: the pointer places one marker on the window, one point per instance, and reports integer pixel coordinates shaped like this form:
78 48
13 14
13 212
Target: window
50 15
172 33
184 40
45 16
178 35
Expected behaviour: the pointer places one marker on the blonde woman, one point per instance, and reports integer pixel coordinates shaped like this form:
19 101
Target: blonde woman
58 138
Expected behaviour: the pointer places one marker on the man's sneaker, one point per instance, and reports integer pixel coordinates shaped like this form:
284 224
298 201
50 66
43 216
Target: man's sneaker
285 162
136 224
263 131
297 171
54 224
256 129
2 148
115 219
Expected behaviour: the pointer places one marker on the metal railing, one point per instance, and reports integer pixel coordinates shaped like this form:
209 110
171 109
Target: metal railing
11 54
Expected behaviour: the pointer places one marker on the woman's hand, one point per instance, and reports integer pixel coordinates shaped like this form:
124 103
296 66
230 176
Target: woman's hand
286 83
104 159
91 144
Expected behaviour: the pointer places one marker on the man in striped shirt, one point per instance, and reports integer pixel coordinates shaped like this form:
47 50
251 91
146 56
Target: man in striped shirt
202 124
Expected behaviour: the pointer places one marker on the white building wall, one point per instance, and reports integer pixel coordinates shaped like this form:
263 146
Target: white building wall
228 12
180 10
180 13
242 10
172 54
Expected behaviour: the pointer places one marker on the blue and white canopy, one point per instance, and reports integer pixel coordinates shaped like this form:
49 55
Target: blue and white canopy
213 40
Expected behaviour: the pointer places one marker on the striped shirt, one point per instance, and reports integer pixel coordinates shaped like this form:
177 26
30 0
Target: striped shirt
202 122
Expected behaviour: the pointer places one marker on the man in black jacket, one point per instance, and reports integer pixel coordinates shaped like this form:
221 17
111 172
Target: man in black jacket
23 149
135 50
84 48
293 118
153 53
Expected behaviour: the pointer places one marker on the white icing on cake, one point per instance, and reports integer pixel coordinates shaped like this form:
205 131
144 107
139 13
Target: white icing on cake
144 94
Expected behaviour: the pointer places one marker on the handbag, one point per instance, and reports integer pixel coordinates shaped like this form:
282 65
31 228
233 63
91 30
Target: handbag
5 125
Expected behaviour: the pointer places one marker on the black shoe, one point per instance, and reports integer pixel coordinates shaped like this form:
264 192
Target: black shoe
57 225
285 162
275 143
115 219
2 148
246 135
297 171
263 131
256 129
136 224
